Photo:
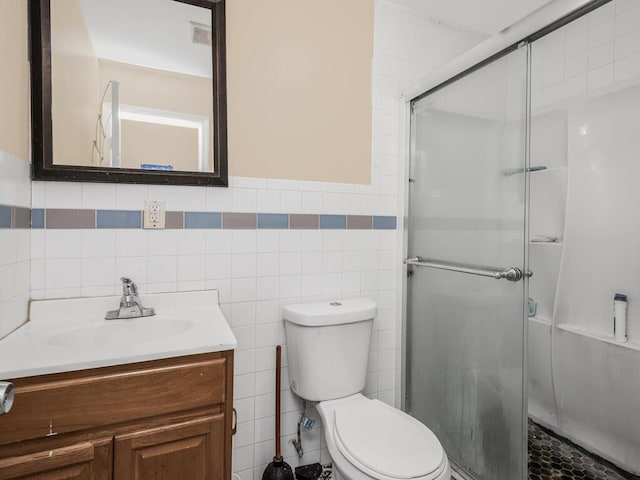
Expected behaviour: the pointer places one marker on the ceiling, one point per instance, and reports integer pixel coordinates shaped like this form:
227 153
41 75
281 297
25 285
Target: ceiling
156 33
149 33
486 16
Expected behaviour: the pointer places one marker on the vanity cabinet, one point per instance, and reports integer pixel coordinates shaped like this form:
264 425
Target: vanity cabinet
184 450
167 419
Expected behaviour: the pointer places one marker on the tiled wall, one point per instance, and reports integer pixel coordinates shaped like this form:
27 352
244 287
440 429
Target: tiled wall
262 243
407 48
15 201
589 55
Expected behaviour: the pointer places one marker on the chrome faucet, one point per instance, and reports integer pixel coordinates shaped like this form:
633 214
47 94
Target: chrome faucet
130 304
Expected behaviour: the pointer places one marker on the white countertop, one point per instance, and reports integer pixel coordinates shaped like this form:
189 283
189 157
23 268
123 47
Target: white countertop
71 334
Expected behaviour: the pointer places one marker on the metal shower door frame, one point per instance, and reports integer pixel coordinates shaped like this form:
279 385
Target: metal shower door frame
540 23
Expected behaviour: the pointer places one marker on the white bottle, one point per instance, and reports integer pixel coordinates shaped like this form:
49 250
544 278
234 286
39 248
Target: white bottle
620 318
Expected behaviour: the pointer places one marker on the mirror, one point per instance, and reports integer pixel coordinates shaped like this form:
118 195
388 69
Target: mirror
129 91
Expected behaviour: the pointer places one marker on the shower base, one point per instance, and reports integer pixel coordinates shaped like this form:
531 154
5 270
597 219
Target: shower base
555 458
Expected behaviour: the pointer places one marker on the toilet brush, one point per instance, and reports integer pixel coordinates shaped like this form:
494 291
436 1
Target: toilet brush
278 469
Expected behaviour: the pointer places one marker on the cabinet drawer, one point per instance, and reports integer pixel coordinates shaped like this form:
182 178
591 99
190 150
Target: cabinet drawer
82 461
60 404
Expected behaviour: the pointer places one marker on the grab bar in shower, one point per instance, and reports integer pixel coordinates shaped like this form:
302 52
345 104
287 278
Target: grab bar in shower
510 274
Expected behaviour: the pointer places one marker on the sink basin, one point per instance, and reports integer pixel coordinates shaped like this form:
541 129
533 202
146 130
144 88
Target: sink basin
70 334
119 332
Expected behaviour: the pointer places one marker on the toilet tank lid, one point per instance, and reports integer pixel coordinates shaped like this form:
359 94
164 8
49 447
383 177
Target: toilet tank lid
336 312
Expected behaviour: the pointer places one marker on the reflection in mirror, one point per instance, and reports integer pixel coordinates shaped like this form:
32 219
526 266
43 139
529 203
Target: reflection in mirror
132 84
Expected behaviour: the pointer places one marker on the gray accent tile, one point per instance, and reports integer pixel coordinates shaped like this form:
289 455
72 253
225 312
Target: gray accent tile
238 220
21 217
306 221
202 219
359 222
118 219
70 218
5 216
37 218
384 223
333 221
174 220
273 220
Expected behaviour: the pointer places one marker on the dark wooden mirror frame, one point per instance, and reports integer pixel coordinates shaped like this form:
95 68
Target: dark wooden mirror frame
43 167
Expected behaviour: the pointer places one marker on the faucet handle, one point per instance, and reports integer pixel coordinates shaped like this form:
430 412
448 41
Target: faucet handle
128 286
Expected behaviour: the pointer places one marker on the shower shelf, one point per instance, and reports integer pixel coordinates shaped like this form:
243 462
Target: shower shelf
598 336
539 319
559 243
516 171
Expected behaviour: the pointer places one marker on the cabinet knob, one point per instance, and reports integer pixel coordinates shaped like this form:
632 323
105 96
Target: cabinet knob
7 395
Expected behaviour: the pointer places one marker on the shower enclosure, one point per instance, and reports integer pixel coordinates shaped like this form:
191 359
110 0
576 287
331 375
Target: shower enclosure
523 158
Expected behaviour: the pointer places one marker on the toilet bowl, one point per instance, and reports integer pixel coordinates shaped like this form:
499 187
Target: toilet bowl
327 350
368 439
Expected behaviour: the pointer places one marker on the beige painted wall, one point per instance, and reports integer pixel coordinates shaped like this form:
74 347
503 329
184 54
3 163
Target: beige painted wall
161 90
299 89
14 79
159 144
74 82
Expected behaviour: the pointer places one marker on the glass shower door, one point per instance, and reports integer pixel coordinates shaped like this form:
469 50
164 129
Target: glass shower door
465 336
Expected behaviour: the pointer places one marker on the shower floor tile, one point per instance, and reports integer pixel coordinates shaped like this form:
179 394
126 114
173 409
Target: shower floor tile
554 458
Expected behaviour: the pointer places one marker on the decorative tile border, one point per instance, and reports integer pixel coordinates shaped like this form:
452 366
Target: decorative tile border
14 217
54 218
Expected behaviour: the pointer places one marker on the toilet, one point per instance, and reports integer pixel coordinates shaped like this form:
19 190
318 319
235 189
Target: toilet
328 351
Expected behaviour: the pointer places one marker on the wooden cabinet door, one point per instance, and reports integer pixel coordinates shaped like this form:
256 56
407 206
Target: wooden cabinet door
82 461
192 450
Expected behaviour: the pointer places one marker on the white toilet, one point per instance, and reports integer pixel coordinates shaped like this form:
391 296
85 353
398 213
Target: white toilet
328 350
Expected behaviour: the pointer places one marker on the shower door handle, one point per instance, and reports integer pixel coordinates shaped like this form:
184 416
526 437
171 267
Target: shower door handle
511 274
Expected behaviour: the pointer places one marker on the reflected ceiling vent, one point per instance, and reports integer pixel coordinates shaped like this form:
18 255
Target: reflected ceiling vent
200 33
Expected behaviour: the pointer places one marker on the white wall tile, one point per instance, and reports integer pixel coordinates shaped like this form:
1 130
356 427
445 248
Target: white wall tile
63 195
218 241
162 242
243 265
132 243
190 268
268 288
291 201
243 289
191 198
312 202
191 242
290 241
131 197
244 200
95 243
268 201
99 196
62 273
98 272
244 241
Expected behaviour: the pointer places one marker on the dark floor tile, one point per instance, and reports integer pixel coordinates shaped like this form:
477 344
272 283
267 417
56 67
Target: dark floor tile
554 458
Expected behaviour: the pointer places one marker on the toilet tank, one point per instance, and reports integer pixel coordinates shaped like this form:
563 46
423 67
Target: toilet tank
328 347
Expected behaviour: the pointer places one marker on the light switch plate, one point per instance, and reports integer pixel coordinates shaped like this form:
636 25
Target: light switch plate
154 214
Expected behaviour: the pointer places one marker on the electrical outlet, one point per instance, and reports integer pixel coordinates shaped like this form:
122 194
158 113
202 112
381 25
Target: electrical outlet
154 214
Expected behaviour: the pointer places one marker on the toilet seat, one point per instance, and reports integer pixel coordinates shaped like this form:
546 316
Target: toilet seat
386 443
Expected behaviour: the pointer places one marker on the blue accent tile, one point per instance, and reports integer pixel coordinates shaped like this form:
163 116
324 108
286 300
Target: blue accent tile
5 216
333 221
384 223
37 218
202 220
273 220
118 219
